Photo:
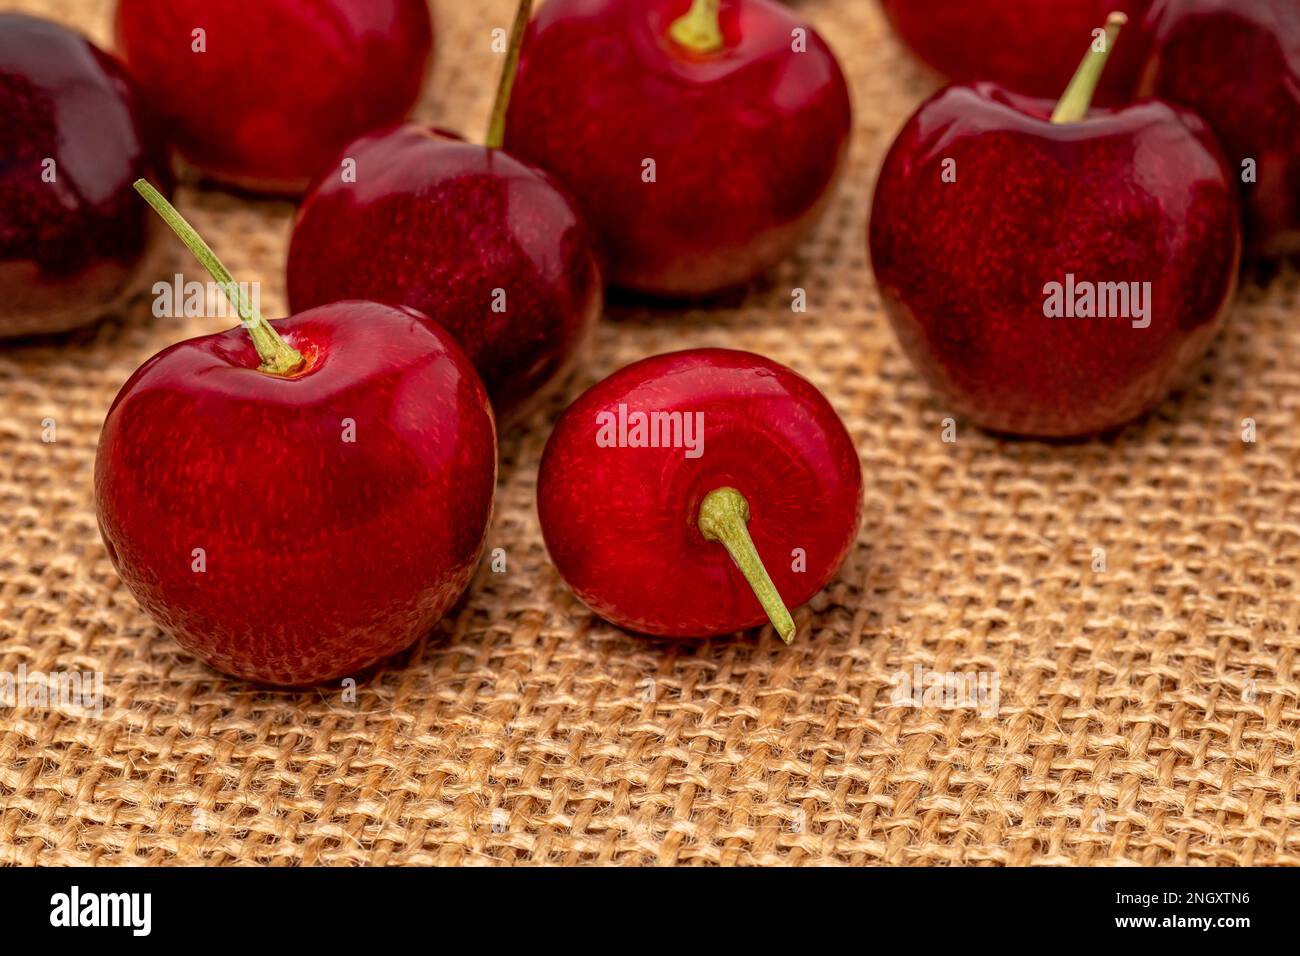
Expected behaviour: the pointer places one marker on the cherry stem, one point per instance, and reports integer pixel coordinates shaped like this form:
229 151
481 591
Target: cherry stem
723 516
698 29
1077 98
496 135
278 356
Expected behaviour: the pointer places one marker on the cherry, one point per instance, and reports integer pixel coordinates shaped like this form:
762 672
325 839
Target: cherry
296 79
703 136
1028 46
294 501
490 246
74 239
1238 66
699 493
1054 273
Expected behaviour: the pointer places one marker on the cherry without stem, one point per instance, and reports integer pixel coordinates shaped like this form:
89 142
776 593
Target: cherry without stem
75 242
261 95
1237 65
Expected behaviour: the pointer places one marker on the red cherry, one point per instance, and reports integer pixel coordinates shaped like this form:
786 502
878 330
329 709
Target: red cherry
74 238
745 133
296 520
751 459
993 225
295 79
1238 66
1028 46
491 247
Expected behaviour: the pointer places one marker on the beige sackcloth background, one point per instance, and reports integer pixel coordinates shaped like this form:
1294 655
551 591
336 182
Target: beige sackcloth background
1148 712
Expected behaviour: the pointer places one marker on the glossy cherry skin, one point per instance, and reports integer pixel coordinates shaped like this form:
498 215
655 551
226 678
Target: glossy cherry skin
621 525
1238 66
74 237
282 84
1138 195
323 555
747 142
1029 46
491 247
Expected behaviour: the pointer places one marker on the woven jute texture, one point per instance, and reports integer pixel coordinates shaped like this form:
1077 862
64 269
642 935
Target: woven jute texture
1137 598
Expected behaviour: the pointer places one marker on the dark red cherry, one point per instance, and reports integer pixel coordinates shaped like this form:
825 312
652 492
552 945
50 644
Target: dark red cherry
262 94
1028 46
488 245
702 137
74 237
1054 272
1236 63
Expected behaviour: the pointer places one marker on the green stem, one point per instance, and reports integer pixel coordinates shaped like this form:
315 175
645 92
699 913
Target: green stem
1077 98
698 29
723 516
278 356
496 135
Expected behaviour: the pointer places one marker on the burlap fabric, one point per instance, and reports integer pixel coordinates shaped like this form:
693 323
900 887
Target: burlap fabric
1148 711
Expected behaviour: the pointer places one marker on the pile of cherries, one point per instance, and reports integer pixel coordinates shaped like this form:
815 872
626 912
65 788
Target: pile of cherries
294 500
